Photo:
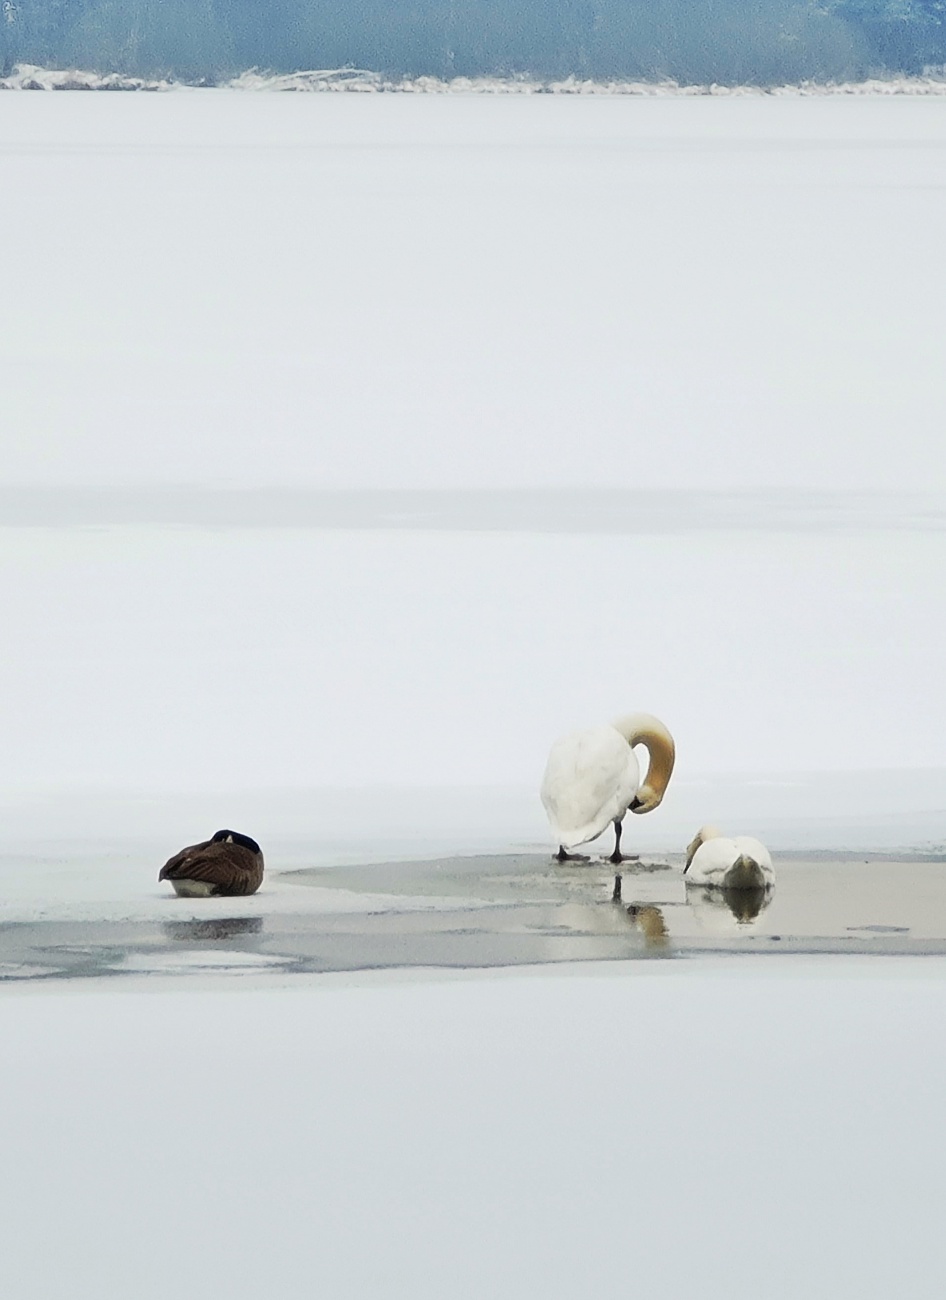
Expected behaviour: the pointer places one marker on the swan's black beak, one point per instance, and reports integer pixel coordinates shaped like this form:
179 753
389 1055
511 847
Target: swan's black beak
634 804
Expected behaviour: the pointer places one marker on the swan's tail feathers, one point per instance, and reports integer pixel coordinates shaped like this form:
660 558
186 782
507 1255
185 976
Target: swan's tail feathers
572 838
745 873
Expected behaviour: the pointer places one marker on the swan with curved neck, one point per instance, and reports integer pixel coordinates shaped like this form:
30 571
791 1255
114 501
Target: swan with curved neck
593 778
716 860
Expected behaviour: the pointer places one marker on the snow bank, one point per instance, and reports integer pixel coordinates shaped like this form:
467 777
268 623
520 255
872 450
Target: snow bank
27 76
722 1129
363 81
372 82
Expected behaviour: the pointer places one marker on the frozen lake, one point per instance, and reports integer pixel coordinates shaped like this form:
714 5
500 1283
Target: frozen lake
382 291
700 1128
235 663
354 449
359 442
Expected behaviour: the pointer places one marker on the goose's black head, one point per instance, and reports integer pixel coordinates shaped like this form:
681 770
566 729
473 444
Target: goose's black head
236 838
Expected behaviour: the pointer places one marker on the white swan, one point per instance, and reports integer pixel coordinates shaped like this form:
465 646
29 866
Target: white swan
592 778
716 861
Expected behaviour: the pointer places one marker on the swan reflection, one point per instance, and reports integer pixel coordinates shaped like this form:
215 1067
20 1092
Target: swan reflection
650 921
745 904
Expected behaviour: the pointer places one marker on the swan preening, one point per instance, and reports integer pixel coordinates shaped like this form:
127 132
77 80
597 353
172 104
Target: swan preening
593 777
715 860
229 864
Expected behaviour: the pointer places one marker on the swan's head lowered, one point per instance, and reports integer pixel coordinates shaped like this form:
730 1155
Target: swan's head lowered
644 729
646 799
702 835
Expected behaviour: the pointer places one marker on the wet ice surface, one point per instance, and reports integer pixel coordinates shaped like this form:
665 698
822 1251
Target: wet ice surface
491 911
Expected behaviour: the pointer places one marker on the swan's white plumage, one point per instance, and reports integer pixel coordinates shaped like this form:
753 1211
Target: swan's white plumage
590 779
720 860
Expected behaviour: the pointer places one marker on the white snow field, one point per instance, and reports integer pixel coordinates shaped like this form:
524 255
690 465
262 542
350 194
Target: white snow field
727 1129
473 291
223 290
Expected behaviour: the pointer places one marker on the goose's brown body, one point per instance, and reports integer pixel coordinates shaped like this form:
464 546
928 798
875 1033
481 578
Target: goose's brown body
222 866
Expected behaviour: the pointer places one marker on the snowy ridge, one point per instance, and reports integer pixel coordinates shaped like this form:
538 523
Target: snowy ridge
355 80
26 76
336 80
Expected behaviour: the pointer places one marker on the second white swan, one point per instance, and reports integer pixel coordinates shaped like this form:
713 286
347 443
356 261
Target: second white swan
738 863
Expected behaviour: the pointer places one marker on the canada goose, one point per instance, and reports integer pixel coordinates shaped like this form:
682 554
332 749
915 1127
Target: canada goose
228 864
593 777
719 862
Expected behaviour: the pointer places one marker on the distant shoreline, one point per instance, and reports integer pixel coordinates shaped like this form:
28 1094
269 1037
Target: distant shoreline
363 81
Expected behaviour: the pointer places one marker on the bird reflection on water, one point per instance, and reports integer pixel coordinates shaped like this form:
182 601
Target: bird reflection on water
216 930
650 921
745 904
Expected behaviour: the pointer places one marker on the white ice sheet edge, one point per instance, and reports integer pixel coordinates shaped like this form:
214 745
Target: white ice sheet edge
102 899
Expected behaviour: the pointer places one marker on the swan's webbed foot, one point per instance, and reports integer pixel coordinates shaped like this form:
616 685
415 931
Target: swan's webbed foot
616 857
562 856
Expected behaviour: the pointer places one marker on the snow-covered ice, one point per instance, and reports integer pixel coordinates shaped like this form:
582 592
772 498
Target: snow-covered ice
728 1129
214 298
179 659
726 310
308 292
468 291
209 621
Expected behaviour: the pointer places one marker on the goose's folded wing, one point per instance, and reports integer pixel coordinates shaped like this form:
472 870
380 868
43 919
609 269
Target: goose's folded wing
172 868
